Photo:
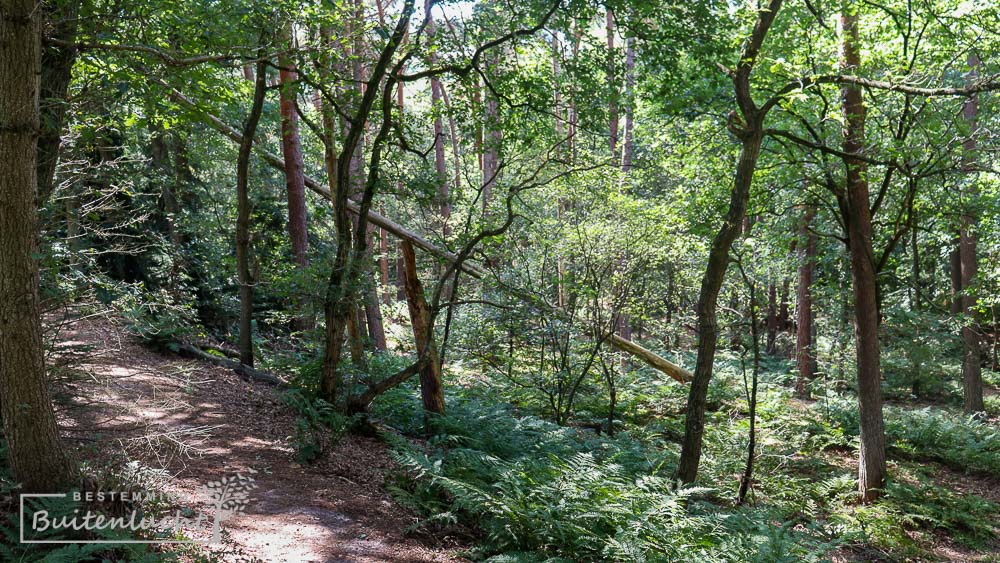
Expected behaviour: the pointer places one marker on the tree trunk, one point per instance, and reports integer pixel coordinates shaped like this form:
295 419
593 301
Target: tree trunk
440 166
955 274
492 140
431 388
805 355
772 319
383 263
751 134
37 458
627 142
972 376
872 463
57 71
708 327
612 86
243 241
373 312
352 250
291 149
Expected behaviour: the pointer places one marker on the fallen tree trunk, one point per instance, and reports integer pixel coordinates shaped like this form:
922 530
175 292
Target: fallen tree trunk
647 356
242 369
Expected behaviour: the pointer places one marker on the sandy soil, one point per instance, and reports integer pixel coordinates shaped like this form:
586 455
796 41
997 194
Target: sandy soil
198 423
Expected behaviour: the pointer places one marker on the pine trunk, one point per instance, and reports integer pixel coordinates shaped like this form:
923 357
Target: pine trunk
37 458
291 148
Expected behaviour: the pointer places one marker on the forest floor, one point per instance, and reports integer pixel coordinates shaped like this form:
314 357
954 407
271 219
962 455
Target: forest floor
183 423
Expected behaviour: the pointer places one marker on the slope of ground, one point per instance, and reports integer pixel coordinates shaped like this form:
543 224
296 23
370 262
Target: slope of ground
198 423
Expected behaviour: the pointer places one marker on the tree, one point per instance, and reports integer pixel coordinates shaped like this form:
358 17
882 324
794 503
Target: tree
37 457
972 377
431 387
750 131
871 461
291 149
804 353
243 236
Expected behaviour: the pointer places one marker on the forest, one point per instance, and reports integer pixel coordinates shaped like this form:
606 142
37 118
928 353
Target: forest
500 280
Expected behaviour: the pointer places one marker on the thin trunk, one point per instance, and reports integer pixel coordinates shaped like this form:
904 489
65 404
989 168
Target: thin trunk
383 263
431 388
772 318
915 256
437 106
751 137
708 327
955 274
352 250
627 148
373 313
56 72
400 273
243 218
972 376
747 478
37 458
492 139
455 151
612 86
805 355
872 463
784 316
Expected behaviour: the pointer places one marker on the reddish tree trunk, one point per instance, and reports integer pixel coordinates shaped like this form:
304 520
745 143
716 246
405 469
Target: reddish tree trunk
431 388
291 148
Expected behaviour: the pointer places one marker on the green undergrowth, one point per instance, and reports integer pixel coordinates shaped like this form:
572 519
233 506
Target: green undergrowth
533 491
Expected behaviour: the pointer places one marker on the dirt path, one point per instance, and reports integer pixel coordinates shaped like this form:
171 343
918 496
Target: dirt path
199 423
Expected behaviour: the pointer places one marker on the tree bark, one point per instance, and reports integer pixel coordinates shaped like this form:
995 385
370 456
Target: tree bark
37 458
627 142
612 86
751 134
972 376
772 319
437 106
291 149
243 242
62 19
805 356
872 462
431 388
955 275
491 140
341 290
